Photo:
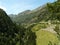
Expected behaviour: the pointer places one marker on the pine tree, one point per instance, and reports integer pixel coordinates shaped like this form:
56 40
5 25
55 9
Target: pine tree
8 30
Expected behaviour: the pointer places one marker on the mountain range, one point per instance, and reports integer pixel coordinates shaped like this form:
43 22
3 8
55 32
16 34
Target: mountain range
34 16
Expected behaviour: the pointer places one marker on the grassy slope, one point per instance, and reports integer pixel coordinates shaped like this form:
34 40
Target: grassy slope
39 26
43 37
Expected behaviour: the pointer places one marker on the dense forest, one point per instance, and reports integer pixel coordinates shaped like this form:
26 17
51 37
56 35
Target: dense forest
40 26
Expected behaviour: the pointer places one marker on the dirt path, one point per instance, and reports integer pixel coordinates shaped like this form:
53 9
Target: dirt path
50 29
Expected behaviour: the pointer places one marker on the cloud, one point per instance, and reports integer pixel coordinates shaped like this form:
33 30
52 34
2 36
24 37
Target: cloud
19 7
2 7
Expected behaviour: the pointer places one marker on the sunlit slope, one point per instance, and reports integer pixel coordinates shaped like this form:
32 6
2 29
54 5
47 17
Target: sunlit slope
45 37
39 26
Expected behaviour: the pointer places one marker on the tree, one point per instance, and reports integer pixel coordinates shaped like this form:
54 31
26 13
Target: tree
58 0
8 30
50 43
57 29
54 9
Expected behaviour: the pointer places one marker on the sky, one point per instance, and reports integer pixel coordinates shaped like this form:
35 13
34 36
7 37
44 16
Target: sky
17 6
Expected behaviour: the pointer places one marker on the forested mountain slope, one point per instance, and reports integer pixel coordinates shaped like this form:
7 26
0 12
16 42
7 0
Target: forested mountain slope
8 30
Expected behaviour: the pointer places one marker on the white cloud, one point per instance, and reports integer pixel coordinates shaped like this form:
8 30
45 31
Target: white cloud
2 7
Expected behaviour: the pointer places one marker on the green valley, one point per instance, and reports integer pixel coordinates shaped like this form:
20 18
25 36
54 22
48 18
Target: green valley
40 26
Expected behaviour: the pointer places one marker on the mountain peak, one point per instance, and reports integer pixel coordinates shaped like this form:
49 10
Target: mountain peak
24 12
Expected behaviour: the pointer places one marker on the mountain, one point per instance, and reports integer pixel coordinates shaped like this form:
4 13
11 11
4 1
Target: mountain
8 29
5 21
31 16
46 33
24 12
39 14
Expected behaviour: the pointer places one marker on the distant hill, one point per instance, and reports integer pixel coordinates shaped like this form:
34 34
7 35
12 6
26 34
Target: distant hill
31 16
39 14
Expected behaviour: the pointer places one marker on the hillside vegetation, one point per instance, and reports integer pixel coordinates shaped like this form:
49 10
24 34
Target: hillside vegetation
45 37
8 30
12 34
47 12
40 26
